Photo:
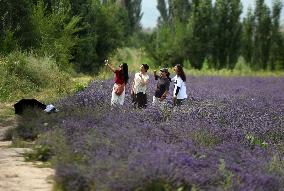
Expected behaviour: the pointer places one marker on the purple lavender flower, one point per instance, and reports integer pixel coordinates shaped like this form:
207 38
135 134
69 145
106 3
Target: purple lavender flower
213 142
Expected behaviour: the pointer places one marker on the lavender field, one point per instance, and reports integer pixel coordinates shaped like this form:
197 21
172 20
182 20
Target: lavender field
228 136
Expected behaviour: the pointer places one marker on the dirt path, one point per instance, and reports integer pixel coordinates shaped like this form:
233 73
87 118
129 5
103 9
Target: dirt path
15 173
18 175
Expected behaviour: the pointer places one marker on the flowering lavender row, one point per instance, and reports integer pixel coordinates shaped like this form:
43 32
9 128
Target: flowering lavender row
228 136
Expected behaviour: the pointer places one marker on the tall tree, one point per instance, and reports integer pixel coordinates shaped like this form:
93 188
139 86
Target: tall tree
227 33
103 29
133 8
55 32
276 39
262 40
200 26
179 10
53 6
15 20
248 36
164 15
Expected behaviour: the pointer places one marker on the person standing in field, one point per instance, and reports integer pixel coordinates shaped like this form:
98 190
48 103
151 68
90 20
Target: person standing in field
163 85
139 87
179 94
121 79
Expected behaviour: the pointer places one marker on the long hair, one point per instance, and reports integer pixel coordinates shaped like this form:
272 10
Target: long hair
180 72
168 76
125 72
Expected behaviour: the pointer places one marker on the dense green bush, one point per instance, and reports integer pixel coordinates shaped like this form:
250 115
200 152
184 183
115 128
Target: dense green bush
55 33
24 74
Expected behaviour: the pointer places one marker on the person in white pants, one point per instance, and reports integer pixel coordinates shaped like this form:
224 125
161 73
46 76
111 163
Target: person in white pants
121 79
139 87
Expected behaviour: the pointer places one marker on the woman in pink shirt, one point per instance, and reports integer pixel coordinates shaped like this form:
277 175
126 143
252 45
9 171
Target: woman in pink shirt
121 79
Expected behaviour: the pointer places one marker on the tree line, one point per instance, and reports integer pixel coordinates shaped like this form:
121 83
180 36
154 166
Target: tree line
82 32
199 32
214 34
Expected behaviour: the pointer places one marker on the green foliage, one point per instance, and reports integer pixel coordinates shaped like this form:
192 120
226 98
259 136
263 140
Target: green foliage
8 43
214 32
247 37
226 34
39 153
167 46
173 42
8 135
25 74
242 66
56 148
179 11
227 176
199 26
27 128
205 65
262 44
276 165
262 37
52 150
133 8
211 33
55 33
79 87
15 20
164 15
138 39
84 32
254 141
104 29
204 138
187 64
277 47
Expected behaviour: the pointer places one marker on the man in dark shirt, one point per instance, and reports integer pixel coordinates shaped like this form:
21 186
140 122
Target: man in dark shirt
162 86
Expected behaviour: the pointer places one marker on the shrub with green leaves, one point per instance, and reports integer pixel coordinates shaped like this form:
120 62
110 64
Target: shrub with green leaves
23 74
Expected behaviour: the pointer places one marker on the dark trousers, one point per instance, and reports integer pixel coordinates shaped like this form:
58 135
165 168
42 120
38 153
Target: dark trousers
140 100
180 102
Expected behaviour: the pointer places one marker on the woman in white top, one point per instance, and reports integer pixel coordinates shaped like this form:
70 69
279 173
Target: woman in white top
179 94
139 87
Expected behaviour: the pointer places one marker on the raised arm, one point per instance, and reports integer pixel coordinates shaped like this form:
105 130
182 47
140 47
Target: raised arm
155 75
143 81
109 66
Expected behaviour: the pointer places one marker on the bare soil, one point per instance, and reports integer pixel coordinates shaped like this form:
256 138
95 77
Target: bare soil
15 173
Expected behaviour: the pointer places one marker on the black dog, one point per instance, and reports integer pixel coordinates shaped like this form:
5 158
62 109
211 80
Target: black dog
24 104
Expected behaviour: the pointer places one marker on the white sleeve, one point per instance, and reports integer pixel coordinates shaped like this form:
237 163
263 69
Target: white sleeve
179 82
136 77
147 78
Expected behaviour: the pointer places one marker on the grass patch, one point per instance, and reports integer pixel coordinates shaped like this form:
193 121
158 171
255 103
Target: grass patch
20 143
204 138
24 74
227 175
6 114
39 153
276 165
